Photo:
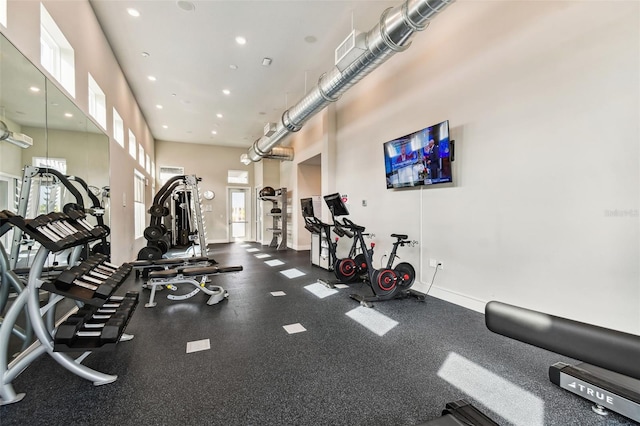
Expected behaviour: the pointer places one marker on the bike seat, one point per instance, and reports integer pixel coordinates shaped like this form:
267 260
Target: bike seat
400 236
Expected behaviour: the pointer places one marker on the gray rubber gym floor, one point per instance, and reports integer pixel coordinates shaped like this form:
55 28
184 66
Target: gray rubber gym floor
400 368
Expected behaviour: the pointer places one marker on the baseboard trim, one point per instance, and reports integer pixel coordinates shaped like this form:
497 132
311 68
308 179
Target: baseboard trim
454 297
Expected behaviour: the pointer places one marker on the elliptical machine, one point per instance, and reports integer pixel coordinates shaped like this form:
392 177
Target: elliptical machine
387 283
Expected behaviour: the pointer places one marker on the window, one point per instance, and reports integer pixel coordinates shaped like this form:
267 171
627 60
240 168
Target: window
138 203
49 197
141 155
167 173
3 12
153 170
132 144
238 176
97 103
59 164
56 54
148 166
118 128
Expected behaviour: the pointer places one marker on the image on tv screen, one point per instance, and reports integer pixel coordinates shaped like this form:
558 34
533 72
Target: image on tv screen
419 158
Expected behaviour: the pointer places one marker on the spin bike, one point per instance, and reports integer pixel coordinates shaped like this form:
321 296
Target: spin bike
389 282
354 266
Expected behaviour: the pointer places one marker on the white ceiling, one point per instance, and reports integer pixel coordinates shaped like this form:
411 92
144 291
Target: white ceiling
190 53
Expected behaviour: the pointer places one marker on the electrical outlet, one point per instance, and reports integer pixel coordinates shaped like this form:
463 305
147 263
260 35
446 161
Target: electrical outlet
433 263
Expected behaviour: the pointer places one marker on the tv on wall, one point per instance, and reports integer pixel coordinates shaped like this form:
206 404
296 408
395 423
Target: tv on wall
420 158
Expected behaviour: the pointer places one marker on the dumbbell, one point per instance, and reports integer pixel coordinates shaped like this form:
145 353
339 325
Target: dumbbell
79 217
107 332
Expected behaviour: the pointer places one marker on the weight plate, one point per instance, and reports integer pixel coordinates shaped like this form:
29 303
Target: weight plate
156 210
163 245
149 253
153 233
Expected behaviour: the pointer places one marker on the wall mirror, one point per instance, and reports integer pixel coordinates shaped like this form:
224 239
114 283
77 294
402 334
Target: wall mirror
33 108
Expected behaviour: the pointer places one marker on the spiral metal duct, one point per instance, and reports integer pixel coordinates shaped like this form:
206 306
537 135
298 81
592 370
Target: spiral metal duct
389 36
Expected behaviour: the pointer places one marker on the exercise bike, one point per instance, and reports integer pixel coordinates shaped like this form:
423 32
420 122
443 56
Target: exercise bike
387 283
354 266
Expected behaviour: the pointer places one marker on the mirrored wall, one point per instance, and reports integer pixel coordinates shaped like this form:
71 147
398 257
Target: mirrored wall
33 109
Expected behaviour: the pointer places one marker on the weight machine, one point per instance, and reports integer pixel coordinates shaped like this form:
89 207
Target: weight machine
176 219
50 196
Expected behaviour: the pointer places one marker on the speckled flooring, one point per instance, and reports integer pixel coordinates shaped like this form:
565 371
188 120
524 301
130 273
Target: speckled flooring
337 372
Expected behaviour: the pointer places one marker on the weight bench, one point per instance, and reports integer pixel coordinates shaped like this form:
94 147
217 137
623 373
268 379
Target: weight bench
189 275
145 265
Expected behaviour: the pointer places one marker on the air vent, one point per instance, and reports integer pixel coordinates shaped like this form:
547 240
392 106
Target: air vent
350 49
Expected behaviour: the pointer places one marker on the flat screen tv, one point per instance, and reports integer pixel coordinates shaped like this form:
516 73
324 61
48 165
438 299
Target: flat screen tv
420 158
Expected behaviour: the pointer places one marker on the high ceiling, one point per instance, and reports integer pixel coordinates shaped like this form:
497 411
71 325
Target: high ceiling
192 49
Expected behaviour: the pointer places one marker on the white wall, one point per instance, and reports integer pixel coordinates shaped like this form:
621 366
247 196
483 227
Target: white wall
543 102
543 99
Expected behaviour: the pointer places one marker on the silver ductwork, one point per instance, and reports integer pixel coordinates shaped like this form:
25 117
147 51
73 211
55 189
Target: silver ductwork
389 36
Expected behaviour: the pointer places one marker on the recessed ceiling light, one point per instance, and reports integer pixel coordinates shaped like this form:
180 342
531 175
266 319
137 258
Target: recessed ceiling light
185 5
173 94
159 106
213 132
133 12
233 66
226 91
310 39
145 54
151 78
164 126
266 62
219 115
241 40
68 114
34 89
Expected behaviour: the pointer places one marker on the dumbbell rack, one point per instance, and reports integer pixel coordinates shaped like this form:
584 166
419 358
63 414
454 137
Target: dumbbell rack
98 325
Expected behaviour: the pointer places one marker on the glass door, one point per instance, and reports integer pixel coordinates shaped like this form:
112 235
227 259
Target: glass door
238 214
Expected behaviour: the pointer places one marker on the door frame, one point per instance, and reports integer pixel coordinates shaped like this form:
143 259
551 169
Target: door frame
248 212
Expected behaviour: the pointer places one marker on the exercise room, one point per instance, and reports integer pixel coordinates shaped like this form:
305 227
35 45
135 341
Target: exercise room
372 212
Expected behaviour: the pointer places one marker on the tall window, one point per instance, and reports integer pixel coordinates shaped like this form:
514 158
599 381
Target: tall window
97 103
138 202
132 144
148 165
3 12
56 54
118 128
141 155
